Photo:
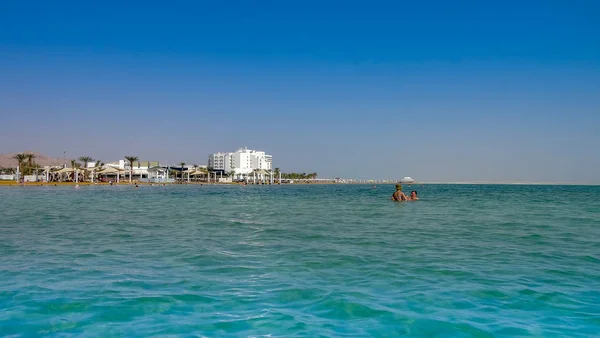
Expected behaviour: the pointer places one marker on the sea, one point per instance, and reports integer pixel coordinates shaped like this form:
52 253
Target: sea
300 261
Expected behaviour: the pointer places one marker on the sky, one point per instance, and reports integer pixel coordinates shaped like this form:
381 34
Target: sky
437 90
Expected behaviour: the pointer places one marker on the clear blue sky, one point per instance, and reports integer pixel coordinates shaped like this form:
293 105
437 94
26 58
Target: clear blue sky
437 90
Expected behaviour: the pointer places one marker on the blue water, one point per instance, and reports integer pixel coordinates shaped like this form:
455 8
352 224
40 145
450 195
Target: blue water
337 260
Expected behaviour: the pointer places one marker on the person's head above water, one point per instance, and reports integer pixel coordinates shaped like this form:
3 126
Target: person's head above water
398 187
413 194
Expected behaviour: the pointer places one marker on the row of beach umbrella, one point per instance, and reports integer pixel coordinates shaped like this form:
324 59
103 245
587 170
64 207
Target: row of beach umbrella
116 171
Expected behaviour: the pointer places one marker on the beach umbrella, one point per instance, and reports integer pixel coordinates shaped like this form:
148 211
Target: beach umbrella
261 172
189 171
198 173
64 171
93 170
407 180
111 170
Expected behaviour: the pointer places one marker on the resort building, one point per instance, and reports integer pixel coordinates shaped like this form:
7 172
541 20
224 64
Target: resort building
219 161
241 161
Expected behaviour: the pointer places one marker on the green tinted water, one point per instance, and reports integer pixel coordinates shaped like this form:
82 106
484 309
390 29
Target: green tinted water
338 260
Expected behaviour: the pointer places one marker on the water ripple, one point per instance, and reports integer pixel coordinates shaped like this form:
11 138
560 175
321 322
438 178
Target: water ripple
308 261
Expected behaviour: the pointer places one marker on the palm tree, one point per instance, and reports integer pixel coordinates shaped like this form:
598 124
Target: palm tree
20 160
97 164
74 165
131 159
277 171
85 160
30 162
182 164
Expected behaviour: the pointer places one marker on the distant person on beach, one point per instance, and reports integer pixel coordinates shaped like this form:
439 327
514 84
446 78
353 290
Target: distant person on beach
413 196
398 195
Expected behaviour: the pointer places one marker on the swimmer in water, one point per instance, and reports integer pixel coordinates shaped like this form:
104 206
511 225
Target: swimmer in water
136 186
76 186
398 195
413 196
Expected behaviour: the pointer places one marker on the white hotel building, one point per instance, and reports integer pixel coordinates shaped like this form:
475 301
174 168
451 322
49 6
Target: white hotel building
242 161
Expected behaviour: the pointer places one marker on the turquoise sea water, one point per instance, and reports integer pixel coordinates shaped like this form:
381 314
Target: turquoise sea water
337 260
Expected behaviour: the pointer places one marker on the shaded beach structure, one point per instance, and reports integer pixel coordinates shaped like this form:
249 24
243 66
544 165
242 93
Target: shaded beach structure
110 171
407 180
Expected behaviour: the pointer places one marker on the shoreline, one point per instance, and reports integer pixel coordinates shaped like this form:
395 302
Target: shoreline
38 184
509 183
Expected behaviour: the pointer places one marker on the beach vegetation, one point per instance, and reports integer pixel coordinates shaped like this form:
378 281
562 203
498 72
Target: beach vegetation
26 163
85 160
30 161
181 165
297 176
21 158
7 171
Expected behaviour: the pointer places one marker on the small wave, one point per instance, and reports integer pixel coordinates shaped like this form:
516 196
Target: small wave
341 308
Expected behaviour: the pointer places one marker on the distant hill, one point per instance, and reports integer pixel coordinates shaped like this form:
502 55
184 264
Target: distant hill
7 160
